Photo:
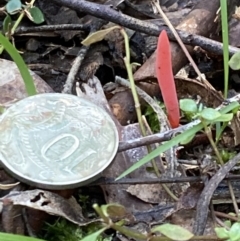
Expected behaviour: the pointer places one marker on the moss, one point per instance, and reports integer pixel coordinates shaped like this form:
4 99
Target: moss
63 230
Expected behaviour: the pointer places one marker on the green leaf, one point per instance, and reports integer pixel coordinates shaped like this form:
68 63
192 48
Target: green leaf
98 36
36 15
113 210
93 236
222 233
224 118
1 49
210 114
2 109
14 237
228 222
13 6
234 232
27 78
173 232
234 62
230 107
7 22
188 105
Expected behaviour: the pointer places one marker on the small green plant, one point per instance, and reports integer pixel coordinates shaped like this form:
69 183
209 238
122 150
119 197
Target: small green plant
193 111
227 155
152 117
63 230
14 7
34 14
234 62
232 234
189 106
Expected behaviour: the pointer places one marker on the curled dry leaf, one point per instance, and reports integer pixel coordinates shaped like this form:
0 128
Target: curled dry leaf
8 186
48 202
98 36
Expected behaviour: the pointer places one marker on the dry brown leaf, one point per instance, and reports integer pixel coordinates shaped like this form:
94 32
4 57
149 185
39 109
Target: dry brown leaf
8 186
48 202
98 36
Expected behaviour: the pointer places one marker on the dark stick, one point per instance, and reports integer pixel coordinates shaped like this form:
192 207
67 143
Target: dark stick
50 28
155 138
111 181
206 195
109 14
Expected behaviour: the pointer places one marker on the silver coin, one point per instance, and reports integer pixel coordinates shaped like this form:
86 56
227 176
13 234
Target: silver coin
56 141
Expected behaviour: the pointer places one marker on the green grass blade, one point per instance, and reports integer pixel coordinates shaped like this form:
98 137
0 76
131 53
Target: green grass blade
27 78
224 19
14 237
230 107
94 236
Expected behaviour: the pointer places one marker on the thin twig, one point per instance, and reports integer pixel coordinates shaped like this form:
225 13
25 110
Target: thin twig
190 59
221 223
158 137
50 28
227 216
142 180
27 224
75 67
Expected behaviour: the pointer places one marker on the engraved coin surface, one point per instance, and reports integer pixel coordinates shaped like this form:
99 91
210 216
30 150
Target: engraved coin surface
56 141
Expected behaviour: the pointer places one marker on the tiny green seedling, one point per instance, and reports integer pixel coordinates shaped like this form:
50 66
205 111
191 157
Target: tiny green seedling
227 155
33 13
234 62
210 115
14 7
190 107
152 116
233 234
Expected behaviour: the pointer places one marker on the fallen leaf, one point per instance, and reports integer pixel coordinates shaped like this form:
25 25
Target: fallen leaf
48 202
8 186
97 36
